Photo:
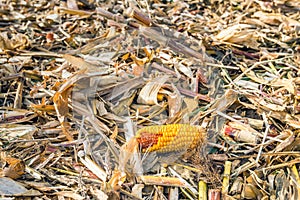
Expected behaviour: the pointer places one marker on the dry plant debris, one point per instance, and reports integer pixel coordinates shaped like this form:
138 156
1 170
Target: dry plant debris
79 79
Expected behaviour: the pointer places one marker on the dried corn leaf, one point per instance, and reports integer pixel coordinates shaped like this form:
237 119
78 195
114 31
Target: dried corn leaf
14 131
275 19
148 94
11 187
15 168
239 34
80 63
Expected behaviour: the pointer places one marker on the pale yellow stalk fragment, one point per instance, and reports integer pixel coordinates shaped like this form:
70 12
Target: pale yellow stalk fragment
202 190
227 172
296 173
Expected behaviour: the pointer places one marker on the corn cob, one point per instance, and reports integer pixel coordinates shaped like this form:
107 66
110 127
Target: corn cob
169 138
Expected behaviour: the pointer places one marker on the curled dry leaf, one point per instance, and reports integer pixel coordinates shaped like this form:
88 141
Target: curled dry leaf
117 179
15 168
17 42
148 94
250 192
290 138
173 97
237 186
61 104
239 34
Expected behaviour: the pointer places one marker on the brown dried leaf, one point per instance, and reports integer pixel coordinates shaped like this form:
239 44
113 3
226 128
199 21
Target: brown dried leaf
17 42
174 99
79 62
117 179
43 108
286 142
60 100
251 192
15 168
237 186
239 34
